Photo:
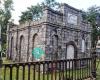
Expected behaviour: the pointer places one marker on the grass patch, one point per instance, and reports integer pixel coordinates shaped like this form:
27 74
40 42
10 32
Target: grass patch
35 75
98 70
76 74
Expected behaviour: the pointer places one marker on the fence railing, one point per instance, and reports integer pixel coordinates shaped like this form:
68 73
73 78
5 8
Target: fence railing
71 69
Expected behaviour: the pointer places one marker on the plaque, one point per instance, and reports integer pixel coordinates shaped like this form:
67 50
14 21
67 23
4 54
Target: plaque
72 19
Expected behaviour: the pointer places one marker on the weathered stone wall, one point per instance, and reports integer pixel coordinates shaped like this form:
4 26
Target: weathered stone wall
52 33
67 32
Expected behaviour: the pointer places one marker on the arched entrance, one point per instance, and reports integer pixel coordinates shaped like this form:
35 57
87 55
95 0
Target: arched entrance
71 53
12 48
55 47
71 50
34 43
21 48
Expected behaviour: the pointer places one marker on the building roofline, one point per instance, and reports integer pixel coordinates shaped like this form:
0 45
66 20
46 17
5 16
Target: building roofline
67 5
52 10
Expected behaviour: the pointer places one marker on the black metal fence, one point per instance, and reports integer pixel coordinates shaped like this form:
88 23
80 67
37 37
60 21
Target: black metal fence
71 69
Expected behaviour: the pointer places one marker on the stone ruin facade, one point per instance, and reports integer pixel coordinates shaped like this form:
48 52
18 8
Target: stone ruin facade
61 34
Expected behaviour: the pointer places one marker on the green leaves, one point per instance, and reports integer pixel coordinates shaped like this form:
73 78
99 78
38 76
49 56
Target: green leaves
35 12
32 13
49 3
8 5
5 15
91 15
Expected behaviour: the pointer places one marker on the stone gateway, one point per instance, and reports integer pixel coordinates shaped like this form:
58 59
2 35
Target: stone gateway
61 34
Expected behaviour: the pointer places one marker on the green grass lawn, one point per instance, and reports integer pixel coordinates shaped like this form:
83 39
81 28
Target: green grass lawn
98 70
76 74
47 76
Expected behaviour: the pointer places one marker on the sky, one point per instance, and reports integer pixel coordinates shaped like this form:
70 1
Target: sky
21 5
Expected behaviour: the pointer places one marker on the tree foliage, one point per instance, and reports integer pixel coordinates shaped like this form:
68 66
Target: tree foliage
91 15
35 12
5 15
32 13
50 3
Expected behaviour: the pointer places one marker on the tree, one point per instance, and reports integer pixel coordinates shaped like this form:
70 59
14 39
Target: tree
32 13
35 12
5 14
51 3
91 15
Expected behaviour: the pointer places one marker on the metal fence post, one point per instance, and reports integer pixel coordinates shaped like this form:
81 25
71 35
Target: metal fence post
0 65
94 64
0 48
1 60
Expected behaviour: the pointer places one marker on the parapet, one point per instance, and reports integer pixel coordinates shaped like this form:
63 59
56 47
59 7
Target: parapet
66 16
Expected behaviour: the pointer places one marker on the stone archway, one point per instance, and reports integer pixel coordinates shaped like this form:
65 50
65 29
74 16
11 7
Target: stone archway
12 48
55 47
21 48
34 43
71 53
71 50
